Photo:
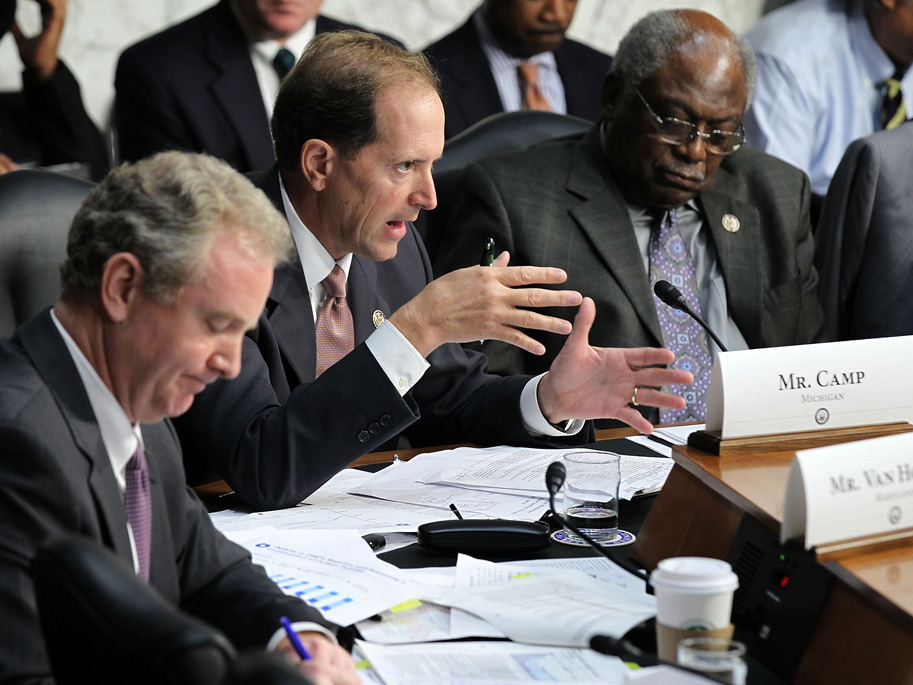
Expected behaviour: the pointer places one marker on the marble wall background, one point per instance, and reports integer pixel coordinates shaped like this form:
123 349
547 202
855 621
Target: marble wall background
97 30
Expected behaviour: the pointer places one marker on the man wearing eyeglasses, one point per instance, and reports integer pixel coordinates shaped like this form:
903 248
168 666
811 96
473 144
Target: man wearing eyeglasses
660 188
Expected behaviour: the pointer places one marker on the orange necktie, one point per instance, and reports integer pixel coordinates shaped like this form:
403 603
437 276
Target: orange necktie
532 97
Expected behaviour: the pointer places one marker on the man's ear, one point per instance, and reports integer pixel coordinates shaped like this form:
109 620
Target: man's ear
121 282
612 88
318 159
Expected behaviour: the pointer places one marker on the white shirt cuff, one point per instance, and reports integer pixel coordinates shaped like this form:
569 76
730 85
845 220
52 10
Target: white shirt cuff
533 420
401 362
299 627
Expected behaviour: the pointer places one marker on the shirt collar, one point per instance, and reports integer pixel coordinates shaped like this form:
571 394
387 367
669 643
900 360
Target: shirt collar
120 438
296 43
316 261
492 49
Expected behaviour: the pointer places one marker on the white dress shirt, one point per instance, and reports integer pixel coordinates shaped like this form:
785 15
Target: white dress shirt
818 89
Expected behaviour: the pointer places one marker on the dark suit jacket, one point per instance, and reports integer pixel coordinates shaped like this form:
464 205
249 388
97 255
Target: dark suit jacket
864 239
193 87
47 123
556 205
55 477
469 90
276 434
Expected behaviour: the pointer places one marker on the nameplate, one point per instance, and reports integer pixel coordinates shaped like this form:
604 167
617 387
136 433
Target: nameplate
811 387
849 491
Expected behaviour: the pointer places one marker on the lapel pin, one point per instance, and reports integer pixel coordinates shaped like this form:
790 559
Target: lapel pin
731 223
378 318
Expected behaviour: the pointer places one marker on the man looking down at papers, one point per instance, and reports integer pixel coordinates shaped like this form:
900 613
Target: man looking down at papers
169 261
356 343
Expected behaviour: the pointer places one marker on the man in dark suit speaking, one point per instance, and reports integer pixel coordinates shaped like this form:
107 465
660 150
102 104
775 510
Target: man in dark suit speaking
209 83
356 344
658 189
513 54
169 261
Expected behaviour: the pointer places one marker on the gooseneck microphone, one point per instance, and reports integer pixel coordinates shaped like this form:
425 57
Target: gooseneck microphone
554 479
673 297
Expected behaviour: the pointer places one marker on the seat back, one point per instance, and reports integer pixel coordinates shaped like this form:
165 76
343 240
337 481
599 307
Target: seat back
36 209
497 134
102 624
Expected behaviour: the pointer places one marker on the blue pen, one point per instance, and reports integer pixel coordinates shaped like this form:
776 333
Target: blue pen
293 638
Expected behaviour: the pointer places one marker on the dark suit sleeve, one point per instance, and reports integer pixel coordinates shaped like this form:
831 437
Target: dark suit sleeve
811 322
61 124
841 234
275 453
145 112
217 580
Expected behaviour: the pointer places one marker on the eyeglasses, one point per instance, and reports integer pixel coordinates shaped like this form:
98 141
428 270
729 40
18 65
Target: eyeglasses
680 132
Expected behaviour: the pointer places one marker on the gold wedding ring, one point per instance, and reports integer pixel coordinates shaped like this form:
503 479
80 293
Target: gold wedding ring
634 396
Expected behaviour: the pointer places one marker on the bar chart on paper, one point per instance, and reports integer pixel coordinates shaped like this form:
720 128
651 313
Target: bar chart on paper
317 594
334 571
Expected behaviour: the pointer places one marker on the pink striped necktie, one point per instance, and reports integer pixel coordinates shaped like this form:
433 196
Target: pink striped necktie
335 333
138 507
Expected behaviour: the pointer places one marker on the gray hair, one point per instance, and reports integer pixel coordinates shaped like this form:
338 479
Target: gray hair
167 210
651 41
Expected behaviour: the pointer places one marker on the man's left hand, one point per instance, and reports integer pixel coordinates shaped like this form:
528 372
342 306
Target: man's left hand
586 382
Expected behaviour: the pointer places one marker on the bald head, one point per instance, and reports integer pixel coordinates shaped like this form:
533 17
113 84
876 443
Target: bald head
661 35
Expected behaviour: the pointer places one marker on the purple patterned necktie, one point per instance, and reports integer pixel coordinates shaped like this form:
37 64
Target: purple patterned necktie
335 336
138 506
671 260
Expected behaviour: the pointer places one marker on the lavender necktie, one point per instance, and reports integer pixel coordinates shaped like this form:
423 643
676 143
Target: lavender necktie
138 507
334 333
671 260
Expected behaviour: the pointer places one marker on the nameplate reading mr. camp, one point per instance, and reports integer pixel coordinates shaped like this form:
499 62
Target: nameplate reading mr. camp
811 387
852 490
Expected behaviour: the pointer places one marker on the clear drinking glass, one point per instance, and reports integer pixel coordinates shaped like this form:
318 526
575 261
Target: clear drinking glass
590 494
716 657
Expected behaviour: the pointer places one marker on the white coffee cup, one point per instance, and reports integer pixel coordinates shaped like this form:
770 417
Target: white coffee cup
694 593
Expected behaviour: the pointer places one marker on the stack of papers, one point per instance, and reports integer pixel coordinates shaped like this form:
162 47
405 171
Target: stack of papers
549 609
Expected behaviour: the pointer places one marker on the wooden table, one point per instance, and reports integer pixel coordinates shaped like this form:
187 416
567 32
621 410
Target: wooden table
865 633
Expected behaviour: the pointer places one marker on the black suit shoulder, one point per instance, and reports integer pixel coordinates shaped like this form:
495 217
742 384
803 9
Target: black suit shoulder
328 24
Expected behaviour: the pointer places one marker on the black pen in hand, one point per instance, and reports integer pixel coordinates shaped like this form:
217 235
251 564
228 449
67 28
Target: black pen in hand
488 254
488 258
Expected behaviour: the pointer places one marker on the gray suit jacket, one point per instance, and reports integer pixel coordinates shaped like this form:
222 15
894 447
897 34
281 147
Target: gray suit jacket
55 477
557 205
864 239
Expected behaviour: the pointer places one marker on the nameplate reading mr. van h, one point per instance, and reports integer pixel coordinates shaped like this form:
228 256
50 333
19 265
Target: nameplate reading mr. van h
854 490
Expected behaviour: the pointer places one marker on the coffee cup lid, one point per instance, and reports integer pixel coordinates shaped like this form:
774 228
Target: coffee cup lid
694 575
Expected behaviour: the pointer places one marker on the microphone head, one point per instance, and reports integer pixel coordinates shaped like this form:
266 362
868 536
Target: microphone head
554 477
606 644
670 295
